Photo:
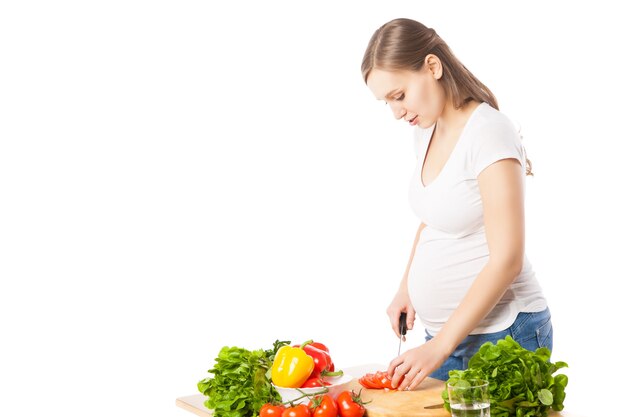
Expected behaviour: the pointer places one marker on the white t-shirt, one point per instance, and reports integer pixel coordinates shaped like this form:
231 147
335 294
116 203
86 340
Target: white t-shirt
452 248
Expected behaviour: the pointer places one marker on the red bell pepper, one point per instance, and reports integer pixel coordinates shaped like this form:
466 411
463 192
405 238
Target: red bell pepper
324 365
320 358
321 346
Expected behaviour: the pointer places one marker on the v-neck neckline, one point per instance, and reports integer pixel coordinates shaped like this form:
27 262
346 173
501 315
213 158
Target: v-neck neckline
456 145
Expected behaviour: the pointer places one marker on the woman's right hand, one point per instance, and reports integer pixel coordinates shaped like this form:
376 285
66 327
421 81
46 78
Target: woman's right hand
401 303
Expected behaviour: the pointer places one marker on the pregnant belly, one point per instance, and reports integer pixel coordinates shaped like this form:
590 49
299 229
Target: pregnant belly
442 271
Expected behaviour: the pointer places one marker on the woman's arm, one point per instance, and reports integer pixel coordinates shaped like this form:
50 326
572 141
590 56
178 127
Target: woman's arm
502 193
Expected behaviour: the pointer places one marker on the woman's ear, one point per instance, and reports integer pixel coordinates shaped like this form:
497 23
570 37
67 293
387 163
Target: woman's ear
433 65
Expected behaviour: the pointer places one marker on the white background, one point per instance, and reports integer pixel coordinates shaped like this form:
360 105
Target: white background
176 176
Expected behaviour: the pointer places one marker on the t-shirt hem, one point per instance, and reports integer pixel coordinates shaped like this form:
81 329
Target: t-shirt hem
534 307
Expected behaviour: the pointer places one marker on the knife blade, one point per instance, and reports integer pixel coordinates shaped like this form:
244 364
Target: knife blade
402 329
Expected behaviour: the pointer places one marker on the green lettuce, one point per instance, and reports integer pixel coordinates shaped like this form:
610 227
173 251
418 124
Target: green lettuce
240 384
521 382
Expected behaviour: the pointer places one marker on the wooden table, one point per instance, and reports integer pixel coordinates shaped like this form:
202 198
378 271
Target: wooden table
424 402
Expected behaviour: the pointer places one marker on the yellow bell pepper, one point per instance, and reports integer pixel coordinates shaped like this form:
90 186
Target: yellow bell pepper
291 367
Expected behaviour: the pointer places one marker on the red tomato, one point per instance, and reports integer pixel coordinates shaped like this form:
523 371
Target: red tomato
370 381
367 382
299 410
323 406
350 404
385 381
315 382
312 383
271 410
377 380
364 383
380 375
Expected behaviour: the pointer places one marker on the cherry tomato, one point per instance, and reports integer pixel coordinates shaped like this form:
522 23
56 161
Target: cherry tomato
315 382
299 410
271 410
350 404
323 406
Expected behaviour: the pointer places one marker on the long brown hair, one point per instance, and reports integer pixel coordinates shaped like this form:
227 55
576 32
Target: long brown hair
403 44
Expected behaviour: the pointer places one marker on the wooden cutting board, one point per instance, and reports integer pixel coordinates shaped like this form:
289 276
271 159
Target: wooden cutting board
426 401
383 403
387 403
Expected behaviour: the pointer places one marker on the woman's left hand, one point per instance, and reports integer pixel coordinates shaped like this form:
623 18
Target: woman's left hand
416 364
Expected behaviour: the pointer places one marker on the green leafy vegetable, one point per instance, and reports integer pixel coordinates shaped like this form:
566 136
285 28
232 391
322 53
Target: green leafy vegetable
521 382
240 384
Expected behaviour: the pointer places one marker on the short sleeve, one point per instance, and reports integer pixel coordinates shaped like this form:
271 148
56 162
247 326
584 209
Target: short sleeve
493 142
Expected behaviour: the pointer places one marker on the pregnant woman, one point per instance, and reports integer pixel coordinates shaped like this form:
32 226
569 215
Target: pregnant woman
468 279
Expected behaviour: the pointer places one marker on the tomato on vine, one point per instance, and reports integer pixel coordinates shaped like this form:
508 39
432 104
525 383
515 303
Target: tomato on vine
299 410
271 410
350 404
323 406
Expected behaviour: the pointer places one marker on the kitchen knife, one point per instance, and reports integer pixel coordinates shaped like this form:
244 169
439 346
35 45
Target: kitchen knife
402 329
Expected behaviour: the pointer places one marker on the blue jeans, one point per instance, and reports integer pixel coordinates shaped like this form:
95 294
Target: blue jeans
531 330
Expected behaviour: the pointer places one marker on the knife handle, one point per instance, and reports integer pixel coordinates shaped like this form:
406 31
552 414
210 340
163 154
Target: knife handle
402 323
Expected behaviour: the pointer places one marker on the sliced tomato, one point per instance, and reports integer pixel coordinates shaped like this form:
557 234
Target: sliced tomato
385 382
377 380
370 381
365 382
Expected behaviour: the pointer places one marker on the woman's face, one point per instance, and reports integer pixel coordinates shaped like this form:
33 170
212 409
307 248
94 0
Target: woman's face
410 94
